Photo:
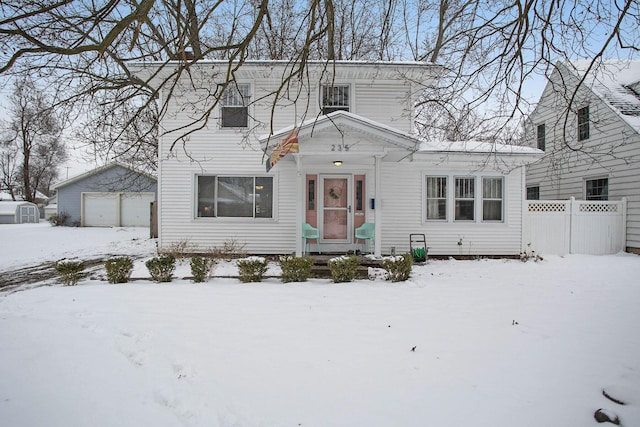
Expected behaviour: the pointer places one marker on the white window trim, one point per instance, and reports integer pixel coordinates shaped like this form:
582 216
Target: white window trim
249 107
482 199
252 220
477 213
593 178
352 98
425 219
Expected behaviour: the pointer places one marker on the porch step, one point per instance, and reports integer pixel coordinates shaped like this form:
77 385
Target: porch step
321 270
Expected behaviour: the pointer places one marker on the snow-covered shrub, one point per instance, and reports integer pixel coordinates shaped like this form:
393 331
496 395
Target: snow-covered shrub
118 269
398 267
529 254
295 269
201 268
69 271
252 269
161 268
343 268
59 219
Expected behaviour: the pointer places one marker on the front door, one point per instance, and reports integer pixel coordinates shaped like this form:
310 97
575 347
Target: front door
336 214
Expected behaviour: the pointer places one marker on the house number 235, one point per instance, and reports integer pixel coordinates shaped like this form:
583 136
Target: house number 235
339 147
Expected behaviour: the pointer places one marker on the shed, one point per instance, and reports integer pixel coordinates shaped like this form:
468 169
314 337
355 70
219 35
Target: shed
114 195
20 212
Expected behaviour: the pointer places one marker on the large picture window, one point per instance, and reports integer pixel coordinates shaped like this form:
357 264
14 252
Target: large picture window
492 199
334 98
436 198
465 199
234 106
235 196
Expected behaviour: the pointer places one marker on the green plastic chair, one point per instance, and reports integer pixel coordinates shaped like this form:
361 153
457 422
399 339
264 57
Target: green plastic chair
365 233
309 233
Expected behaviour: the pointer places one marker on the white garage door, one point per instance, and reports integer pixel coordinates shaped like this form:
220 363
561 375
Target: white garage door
116 209
135 209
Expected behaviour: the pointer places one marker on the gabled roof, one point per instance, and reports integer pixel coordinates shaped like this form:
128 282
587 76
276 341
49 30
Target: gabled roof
9 208
98 170
617 83
341 120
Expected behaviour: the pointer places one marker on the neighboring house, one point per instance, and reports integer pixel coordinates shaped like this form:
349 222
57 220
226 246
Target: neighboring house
348 156
594 152
112 195
20 212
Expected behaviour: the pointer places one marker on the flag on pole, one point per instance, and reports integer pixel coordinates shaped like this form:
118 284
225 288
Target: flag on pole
288 145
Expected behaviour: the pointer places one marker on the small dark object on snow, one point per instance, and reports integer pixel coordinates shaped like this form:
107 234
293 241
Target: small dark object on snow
604 416
513 322
611 398
414 348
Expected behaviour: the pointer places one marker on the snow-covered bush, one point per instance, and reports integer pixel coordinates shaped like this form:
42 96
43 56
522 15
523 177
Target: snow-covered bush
201 268
118 269
59 219
252 269
343 268
398 267
69 271
161 268
295 269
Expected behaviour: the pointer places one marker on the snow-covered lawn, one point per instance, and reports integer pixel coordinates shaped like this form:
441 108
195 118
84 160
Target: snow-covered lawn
497 343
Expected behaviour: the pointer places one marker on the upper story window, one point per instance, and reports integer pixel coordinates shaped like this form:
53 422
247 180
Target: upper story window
465 199
436 198
597 189
334 98
583 123
235 196
492 197
541 137
234 105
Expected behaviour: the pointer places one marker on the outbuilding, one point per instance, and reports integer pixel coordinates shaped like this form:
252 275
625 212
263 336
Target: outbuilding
114 195
18 212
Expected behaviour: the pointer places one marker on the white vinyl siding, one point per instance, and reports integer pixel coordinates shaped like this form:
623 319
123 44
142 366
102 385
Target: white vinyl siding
613 150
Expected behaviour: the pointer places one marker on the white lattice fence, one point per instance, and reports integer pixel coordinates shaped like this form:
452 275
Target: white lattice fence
574 226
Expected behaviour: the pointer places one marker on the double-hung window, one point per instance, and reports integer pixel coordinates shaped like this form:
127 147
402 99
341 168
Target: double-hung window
234 105
334 98
234 196
436 198
465 199
541 137
492 199
583 123
597 189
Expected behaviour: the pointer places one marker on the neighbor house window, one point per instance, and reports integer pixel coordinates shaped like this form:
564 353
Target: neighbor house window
597 189
533 193
234 106
541 137
492 197
334 98
436 198
235 196
465 199
583 123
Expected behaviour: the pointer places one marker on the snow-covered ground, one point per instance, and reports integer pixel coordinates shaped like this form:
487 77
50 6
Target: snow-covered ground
496 343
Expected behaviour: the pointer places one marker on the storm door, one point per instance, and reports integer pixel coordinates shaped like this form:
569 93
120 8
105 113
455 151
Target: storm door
336 213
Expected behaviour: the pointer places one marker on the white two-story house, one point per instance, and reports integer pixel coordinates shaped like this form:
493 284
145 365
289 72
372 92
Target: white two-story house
591 138
335 151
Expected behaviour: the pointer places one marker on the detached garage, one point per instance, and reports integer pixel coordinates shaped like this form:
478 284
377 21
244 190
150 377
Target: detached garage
112 196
